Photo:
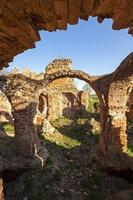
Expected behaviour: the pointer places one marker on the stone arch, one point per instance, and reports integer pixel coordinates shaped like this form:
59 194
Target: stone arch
113 91
43 104
108 89
91 80
121 84
71 98
38 15
96 82
41 111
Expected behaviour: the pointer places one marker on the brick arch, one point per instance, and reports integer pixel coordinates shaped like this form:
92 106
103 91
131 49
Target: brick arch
107 88
43 102
113 91
21 21
70 96
41 110
100 85
91 80
120 87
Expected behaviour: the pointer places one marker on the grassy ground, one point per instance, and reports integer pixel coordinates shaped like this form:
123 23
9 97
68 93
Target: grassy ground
71 172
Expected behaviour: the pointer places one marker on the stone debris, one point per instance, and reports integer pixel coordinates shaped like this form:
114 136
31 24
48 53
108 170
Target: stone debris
23 93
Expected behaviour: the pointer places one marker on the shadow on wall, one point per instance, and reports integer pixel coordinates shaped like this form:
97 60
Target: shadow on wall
43 104
74 112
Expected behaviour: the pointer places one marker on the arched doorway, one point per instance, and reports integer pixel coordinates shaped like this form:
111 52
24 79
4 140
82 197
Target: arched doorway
43 104
72 104
42 111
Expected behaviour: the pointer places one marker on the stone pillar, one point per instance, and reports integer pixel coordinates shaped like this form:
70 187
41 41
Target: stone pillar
113 123
25 130
117 129
104 128
26 140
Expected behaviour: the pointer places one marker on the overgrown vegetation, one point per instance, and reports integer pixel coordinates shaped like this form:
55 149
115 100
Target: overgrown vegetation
93 104
130 151
71 172
7 128
69 133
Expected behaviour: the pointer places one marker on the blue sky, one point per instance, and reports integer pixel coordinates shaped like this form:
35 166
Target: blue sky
94 48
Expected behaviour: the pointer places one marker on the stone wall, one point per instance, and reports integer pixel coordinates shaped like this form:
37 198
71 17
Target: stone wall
63 98
113 91
60 98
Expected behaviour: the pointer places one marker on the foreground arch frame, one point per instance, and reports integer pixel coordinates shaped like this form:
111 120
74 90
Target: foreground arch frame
21 21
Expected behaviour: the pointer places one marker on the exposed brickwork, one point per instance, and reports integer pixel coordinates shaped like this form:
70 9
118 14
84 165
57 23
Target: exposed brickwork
22 93
63 98
20 22
113 91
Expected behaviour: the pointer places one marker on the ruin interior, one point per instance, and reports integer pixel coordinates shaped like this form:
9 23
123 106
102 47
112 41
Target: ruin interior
27 100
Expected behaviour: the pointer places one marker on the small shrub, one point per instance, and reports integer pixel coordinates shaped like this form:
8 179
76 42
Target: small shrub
130 151
93 104
9 129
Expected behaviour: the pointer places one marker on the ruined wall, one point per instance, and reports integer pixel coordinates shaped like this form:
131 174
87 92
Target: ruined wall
113 91
83 96
63 96
60 98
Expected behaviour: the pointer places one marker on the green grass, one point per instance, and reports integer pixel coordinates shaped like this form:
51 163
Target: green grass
9 129
61 140
130 151
93 100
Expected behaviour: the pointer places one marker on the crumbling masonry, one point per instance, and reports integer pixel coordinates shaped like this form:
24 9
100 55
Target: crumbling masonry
24 92
20 22
61 97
